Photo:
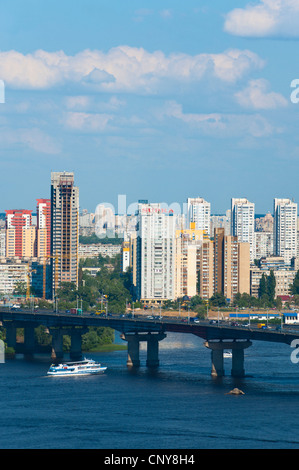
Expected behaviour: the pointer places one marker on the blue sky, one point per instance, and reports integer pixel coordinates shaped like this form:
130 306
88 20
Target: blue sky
158 100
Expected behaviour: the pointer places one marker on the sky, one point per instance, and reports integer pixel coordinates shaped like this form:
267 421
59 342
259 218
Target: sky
159 100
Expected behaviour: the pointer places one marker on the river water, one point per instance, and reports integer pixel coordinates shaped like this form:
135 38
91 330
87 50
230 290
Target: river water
179 406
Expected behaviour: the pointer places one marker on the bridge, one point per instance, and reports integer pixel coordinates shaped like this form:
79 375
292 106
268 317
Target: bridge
218 336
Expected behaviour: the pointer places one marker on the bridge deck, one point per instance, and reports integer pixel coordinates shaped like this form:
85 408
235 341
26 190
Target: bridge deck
203 329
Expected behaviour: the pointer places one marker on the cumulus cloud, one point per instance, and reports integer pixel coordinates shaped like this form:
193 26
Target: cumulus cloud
257 96
268 18
122 69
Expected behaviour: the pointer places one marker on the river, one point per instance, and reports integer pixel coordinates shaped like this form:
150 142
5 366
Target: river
179 406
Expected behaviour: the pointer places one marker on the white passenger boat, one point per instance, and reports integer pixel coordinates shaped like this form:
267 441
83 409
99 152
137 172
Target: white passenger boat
86 367
227 354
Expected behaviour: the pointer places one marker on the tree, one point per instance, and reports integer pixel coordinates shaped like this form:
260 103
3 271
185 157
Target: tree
271 284
218 300
20 288
263 286
294 288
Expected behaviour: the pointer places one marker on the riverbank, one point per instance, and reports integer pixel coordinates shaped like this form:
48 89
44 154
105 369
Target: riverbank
107 348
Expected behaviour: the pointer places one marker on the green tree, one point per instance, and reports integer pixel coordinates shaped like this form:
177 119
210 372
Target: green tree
263 286
271 284
294 288
218 300
20 288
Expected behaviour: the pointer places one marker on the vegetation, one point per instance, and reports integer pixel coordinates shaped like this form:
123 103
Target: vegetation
109 289
94 239
295 286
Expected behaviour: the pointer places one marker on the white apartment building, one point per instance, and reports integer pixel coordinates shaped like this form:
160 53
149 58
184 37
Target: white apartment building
199 212
96 249
2 242
125 256
242 222
221 221
12 274
285 229
263 244
155 262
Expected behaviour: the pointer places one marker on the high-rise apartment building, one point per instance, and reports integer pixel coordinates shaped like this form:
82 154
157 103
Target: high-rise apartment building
224 266
285 229
199 212
64 229
188 243
242 222
206 270
155 260
43 228
20 234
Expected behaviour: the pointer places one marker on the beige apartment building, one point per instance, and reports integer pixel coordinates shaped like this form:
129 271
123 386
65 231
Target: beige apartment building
224 266
188 243
283 277
206 269
202 266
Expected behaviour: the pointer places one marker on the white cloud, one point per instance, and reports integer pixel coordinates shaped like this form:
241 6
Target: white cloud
122 69
219 125
33 138
257 96
166 13
87 122
267 18
91 103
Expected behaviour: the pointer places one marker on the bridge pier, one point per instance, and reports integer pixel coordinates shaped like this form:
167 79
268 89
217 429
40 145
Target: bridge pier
76 342
57 344
237 347
11 335
133 349
153 349
152 340
29 341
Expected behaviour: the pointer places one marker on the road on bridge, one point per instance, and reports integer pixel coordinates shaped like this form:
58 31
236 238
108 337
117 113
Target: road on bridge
206 329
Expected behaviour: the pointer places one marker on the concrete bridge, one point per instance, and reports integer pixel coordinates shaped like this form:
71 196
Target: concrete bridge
218 337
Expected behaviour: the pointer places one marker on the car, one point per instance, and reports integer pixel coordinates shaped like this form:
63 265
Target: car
234 323
196 320
213 322
150 317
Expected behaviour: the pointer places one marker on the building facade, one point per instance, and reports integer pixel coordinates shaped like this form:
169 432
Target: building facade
20 234
243 223
12 275
43 228
224 266
285 229
188 243
64 229
199 213
155 258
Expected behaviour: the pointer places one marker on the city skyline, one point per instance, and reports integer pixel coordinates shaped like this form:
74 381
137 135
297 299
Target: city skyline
159 100
124 207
